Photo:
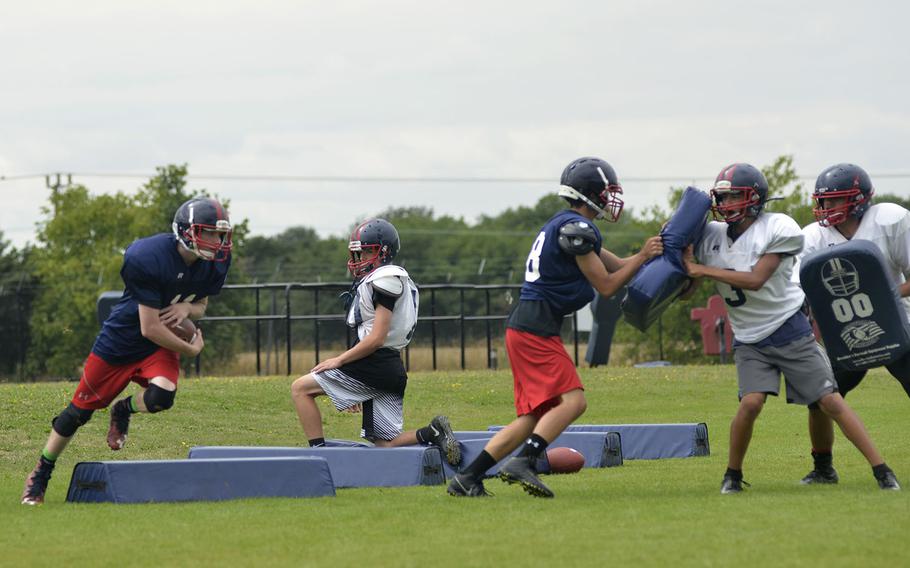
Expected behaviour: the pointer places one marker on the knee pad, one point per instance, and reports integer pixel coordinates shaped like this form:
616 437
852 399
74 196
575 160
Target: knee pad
157 399
67 422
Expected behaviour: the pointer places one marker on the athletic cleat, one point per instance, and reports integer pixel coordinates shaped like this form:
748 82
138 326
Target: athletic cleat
888 482
521 470
120 425
444 438
36 482
731 484
465 486
821 476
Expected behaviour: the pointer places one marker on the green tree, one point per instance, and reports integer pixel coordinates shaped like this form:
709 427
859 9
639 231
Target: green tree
17 290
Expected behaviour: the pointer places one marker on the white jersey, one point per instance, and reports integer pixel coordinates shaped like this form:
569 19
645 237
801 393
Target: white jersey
885 224
392 281
754 315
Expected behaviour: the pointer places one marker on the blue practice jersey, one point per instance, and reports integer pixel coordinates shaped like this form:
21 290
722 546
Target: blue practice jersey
552 275
156 276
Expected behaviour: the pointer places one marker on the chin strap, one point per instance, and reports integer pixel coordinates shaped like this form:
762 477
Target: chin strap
572 193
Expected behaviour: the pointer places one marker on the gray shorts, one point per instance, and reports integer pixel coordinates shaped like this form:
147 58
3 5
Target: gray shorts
383 412
805 367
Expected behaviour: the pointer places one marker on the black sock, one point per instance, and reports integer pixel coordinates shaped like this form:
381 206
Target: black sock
533 447
425 435
480 465
880 470
734 473
824 461
317 442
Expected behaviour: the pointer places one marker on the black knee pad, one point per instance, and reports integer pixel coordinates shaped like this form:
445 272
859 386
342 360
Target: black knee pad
67 422
157 399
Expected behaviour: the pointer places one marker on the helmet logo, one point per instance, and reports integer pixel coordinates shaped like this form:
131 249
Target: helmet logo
840 277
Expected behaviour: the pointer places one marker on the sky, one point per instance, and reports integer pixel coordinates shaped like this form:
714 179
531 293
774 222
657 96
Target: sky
667 92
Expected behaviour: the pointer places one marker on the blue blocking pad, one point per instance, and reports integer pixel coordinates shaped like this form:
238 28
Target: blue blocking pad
601 449
858 310
199 480
655 441
352 466
662 278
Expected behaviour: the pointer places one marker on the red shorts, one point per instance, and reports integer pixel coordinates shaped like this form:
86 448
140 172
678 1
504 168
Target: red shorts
542 371
101 382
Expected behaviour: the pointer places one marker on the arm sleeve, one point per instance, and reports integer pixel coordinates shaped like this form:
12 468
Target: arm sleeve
140 282
380 298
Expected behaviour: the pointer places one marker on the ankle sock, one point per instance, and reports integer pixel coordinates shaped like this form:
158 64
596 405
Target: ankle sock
424 435
317 442
480 465
734 473
880 470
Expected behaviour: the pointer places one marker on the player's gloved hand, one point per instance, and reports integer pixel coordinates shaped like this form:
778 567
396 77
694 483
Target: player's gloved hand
175 313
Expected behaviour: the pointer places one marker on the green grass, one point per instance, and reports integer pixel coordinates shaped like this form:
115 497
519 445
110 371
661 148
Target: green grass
648 513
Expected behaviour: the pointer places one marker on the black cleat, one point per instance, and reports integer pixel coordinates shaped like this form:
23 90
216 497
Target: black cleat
732 484
822 476
465 486
521 471
888 482
36 482
444 438
120 425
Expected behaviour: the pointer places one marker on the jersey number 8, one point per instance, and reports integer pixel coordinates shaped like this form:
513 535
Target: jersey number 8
532 266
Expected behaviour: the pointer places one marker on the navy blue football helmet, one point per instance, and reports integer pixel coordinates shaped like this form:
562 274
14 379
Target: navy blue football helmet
739 191
842 180
373 243
593 182
204 214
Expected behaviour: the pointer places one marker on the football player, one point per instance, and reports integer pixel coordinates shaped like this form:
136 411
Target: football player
751 254
167 278
844 211
566 259
370 376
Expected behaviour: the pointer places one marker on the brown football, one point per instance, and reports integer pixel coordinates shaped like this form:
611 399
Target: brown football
185 331
565 460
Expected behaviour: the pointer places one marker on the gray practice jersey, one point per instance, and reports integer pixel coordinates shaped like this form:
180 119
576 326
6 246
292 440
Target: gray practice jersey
392 281
885 224
754 315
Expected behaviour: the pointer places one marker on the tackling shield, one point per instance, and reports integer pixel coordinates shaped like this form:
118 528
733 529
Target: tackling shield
662 278
862 320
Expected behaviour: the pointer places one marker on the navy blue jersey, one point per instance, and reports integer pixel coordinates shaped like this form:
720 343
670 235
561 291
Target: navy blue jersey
552 275
156 276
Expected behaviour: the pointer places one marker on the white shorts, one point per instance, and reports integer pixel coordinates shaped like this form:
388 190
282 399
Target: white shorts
383 412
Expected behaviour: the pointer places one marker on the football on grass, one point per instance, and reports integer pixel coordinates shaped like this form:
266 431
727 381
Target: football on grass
185 331
565 460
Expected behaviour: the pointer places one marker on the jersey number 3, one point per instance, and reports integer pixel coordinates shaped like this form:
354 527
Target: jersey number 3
532 266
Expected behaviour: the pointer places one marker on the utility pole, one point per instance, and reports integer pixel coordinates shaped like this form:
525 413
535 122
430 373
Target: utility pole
56 185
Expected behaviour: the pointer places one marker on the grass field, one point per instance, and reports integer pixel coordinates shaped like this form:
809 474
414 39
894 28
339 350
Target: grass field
645 513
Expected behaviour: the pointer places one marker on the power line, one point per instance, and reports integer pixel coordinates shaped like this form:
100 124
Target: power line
390 179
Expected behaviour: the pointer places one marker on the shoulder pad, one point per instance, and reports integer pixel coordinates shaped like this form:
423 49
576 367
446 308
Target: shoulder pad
388 285
577 238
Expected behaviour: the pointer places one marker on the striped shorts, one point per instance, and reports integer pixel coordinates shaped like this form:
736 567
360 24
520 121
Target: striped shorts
383 412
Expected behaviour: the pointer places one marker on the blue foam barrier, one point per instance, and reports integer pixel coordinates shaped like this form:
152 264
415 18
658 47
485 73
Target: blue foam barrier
661 279
352 466
199 480
656 441
856 306
601 449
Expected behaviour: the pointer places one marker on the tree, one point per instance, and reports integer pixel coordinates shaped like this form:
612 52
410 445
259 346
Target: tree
16 294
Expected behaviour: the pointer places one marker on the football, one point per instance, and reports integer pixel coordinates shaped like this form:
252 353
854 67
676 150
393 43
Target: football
565 460
185 331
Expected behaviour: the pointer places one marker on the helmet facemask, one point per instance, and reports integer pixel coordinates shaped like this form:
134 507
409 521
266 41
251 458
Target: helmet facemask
748 204
837 214
218 251
365 258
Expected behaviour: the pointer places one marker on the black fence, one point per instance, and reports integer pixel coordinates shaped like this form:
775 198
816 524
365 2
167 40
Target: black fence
472 304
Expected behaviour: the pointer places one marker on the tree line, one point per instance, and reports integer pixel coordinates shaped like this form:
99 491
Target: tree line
49 289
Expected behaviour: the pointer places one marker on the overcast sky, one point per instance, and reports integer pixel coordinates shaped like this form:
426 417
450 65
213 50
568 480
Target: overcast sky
422 89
